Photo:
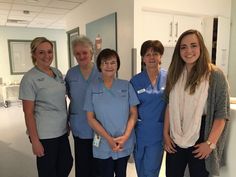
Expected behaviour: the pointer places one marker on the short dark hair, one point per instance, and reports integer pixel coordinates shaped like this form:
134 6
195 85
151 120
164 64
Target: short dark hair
105 55
153 44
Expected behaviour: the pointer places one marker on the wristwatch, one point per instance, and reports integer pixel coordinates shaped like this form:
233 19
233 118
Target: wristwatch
211 145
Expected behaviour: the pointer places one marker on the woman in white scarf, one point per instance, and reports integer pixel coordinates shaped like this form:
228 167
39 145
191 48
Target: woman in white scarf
189 80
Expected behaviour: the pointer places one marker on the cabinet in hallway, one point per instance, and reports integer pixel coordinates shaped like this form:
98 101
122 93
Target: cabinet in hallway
167 27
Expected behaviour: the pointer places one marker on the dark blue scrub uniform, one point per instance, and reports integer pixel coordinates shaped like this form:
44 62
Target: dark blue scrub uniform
149 129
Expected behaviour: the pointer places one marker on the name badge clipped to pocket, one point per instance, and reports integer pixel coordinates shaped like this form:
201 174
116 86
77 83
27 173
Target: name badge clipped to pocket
96 140
141 91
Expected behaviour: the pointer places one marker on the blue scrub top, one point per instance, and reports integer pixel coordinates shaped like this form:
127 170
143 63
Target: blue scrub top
151 110
112 108
76 87
48 94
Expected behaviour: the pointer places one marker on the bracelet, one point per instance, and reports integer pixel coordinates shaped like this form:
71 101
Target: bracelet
211 145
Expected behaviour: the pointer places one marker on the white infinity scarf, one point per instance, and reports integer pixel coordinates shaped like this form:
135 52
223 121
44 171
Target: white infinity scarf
186 111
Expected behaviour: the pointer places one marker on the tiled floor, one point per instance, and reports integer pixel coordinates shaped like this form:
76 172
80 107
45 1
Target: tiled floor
17 159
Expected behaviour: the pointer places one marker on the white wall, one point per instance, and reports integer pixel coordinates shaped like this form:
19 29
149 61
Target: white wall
94 9
209 7
28 34
232 53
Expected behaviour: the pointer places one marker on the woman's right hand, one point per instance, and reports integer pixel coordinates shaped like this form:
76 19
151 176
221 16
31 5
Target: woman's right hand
169 144
37 148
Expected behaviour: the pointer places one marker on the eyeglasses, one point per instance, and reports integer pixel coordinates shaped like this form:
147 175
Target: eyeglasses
151 54
107 63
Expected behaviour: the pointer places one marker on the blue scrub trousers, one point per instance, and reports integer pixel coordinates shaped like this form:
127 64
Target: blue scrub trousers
148 159
57 161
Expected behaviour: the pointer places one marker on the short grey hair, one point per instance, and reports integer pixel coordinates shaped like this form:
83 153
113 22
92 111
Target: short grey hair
84 41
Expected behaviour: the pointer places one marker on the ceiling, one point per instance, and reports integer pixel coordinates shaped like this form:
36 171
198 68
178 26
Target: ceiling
36 13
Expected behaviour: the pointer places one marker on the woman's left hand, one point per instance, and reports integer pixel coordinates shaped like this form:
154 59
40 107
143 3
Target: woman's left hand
202 150
121 141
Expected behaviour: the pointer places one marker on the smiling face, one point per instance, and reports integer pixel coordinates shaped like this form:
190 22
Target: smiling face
152 59
43 55
83 54
190 50
109 67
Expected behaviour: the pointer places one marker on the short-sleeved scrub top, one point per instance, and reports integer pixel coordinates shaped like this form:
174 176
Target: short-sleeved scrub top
111 108
151 109
76 86
48 93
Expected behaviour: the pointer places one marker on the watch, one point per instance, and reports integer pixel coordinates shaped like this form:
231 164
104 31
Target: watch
211 145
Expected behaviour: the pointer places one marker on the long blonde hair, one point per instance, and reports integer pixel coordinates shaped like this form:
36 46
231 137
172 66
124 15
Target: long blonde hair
200 70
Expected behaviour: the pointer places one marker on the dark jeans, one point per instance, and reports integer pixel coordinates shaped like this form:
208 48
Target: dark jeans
177 162
57 161
109 167
85 164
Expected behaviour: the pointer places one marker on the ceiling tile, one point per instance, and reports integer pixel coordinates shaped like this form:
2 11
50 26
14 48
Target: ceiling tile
57 26
37 25
8 1
62 4
42 21
55 11
49 16
3 17
4 12
5 6
77 1
33 3
26 7
42 13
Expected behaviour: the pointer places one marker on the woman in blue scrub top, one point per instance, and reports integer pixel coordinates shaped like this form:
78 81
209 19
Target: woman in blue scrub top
77 81
112 113
42 91
149 86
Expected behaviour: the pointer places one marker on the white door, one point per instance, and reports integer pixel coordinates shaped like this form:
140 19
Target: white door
223 38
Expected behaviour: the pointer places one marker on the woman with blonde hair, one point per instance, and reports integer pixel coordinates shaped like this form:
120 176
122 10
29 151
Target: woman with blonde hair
42 91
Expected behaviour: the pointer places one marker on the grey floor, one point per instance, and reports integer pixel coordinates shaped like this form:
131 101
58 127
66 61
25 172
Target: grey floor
16 158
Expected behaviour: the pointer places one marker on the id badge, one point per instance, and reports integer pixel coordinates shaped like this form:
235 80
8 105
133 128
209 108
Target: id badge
96 140
141 91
